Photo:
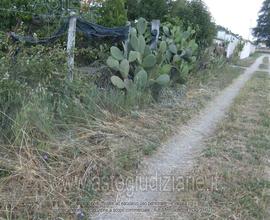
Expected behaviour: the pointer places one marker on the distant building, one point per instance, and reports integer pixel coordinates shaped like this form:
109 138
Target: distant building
262 46
230 41
224 36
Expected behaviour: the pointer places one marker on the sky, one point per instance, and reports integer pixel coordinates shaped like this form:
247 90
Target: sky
236 15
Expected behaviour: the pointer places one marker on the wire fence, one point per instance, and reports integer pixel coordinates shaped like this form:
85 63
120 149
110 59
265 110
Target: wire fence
89 30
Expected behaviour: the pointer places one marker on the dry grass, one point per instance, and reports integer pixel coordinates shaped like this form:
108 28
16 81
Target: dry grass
51 180
238 153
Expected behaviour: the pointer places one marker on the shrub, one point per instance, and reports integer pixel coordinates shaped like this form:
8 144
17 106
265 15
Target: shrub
31 13
26 73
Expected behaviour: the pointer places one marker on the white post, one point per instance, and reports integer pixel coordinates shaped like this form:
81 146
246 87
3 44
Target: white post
71 45
155 30
125 44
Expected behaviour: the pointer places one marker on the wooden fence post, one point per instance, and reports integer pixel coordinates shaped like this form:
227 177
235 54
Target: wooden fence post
71 45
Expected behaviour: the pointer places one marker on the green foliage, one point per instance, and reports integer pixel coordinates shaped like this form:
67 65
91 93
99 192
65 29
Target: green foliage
32 71
9 15
261 32
195 14
132 10
29 12
149 9
112 13
86 55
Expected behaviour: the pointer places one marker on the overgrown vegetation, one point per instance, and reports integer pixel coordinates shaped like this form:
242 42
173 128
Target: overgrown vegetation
54 132
92 140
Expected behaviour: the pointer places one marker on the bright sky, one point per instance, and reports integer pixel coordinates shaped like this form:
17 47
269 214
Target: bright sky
237 15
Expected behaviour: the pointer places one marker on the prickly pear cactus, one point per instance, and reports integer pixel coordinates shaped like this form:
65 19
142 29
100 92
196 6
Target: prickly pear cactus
119 83
150 66
181 49
140 67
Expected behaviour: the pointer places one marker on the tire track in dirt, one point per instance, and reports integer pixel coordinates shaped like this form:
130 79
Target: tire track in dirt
174 159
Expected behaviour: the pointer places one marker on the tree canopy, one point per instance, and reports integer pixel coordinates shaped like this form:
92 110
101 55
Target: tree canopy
262 31
192 13
112 13
196 14
148 9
